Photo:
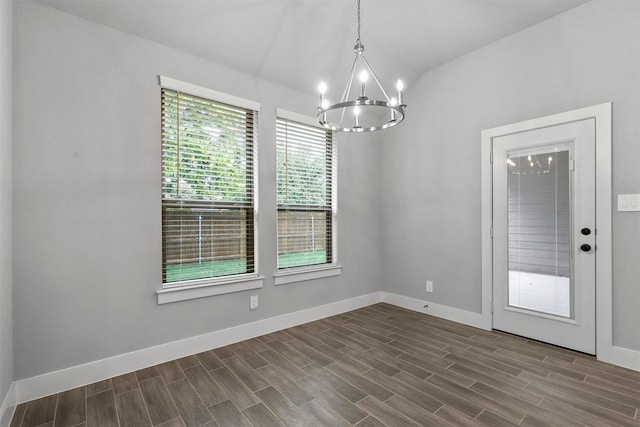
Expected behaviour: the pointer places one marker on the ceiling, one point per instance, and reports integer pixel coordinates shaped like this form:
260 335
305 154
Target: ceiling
299 43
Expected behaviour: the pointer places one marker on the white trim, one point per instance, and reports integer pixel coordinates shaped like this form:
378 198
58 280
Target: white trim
256 197
191 89
206 289
334 199
621 356
281 113
199 288
486 181
8 407
294 275
289 115
450 313
605 350
76 376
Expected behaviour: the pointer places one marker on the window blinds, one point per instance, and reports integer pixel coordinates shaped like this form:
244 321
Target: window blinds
304 194
207 188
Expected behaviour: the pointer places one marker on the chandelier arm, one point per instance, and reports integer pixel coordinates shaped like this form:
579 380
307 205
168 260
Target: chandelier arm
376 79
347 89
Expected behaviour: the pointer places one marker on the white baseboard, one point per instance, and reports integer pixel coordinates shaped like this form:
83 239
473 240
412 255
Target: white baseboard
621 356
65 379
76 376
8 406
450 313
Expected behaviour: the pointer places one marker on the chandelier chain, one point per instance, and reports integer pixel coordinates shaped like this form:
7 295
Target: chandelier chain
358 41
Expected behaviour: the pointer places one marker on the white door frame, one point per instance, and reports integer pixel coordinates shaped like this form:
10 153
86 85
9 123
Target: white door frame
604 297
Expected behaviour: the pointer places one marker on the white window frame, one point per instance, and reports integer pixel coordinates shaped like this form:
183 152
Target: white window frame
190 289
288 275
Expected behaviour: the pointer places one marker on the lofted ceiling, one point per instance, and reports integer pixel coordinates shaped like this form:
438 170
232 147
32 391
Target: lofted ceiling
298 43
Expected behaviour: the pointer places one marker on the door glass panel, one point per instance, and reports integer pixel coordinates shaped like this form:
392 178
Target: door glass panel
539 233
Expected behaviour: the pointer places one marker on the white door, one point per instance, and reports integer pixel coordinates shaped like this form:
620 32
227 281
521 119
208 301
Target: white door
544 236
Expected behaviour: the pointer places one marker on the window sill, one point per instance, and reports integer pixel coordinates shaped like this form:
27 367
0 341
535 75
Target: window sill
206 288
293 275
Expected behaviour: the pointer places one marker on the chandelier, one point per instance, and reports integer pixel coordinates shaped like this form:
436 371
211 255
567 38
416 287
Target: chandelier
361 114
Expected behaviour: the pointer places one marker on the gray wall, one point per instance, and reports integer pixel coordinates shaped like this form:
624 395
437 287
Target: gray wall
6 139
87 258
431 180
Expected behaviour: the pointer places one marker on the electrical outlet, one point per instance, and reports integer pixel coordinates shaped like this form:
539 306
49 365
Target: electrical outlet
253 302
429 286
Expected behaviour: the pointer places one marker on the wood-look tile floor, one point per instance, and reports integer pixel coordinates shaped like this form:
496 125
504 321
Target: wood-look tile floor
376 366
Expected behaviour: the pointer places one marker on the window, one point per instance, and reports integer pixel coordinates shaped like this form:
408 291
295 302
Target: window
305 194
208 192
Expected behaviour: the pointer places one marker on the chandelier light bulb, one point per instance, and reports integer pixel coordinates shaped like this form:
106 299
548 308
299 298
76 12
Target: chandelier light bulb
324 104
400 87
393 103
363 79
322 88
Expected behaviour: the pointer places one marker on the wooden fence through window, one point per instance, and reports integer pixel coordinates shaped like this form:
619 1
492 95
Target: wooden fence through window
204 235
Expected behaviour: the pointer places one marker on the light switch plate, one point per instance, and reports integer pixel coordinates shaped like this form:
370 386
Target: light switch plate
628 202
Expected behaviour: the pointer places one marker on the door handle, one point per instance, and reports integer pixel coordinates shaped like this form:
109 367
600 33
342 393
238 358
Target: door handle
585 247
